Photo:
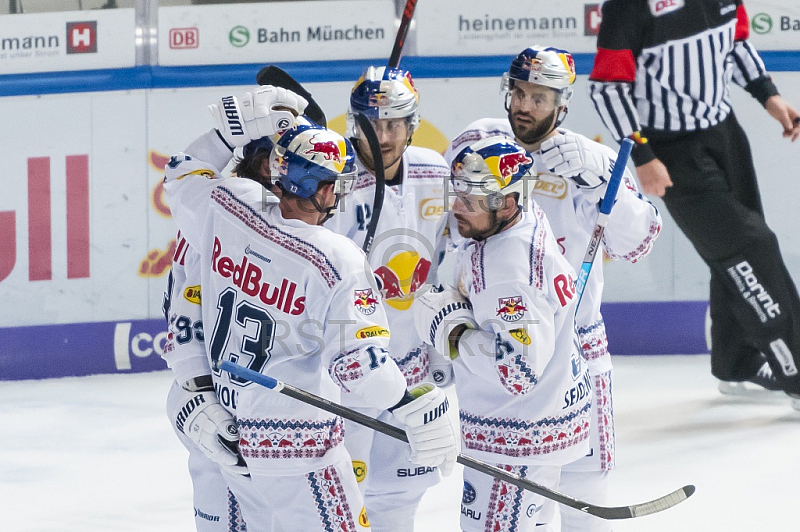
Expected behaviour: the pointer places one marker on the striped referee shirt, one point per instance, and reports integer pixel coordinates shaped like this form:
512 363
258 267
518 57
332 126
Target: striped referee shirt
663 67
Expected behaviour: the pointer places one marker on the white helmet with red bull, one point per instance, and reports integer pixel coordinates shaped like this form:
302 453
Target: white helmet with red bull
308 155
542 65
494 167
384 93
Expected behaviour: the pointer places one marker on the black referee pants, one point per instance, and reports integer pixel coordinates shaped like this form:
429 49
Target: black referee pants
716 202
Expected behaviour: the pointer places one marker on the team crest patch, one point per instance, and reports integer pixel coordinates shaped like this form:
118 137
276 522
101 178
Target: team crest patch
511 308
365 301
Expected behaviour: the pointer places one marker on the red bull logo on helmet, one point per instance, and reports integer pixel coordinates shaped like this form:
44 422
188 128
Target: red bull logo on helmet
365 301
507 165
330 150
511 308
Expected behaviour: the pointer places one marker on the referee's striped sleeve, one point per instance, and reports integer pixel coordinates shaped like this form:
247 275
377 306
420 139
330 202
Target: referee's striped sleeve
614 104
747 65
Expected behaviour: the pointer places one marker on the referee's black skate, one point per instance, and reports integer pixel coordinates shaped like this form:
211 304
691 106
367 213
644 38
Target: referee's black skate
759 385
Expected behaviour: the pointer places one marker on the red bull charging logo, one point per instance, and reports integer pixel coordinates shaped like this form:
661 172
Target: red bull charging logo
330 150
511 308
506 165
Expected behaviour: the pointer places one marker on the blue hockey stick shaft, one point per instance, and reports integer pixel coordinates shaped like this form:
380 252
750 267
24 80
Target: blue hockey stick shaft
604 512
602 218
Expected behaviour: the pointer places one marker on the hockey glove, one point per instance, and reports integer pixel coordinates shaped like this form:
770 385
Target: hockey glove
441 368
263 112
203 419
437 313
577 158
432 433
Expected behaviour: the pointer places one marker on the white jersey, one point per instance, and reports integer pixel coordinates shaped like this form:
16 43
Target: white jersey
184 351
284 298
632 228
405 251
527 401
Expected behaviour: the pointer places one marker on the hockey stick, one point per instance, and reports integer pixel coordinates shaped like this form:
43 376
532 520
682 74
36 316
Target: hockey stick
372 138
604 512
602 218
380 179
402 31
272 75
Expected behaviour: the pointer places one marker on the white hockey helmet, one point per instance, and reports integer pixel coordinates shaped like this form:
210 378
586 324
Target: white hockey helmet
542 65
384 93
308 155
493 167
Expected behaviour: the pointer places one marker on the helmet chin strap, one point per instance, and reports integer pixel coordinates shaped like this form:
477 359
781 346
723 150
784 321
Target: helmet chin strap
497 227
328 212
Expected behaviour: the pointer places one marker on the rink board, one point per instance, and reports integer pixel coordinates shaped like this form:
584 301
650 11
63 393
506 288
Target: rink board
86 238
48 351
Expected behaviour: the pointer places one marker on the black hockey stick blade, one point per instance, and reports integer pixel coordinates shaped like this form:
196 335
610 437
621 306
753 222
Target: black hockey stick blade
272 75
604 512
380 178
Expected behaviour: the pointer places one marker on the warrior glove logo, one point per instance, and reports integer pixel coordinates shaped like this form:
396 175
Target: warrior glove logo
446 311
436 412
232 114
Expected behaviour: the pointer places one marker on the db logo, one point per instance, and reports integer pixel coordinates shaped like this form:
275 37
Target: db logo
592 16
184 38
82 37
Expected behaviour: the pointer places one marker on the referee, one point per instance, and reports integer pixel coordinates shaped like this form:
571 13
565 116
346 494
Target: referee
661 77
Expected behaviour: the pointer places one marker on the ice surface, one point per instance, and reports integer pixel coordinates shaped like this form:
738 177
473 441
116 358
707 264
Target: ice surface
96 454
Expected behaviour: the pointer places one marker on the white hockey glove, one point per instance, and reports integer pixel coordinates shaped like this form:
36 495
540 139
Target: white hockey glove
432 433
204 420
256 114
576 158
437 313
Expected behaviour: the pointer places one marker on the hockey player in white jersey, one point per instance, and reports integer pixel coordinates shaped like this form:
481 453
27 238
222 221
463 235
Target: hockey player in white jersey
292 300
404 257
215 506
573 172
523 389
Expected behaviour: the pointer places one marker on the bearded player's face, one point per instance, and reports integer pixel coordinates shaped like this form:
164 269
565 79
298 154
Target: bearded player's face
532 111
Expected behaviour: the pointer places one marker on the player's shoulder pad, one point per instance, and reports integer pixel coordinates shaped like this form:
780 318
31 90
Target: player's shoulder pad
425 163
183 165
342 252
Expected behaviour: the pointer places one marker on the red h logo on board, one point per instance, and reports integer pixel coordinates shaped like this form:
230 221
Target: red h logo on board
82 37
592 16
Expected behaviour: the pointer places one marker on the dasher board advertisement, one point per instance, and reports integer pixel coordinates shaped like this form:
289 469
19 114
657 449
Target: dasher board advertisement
774 25
275 31
69 40
502 27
